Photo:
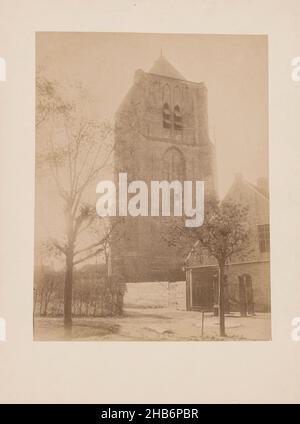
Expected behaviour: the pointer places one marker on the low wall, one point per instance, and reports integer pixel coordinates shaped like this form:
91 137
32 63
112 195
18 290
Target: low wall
156 295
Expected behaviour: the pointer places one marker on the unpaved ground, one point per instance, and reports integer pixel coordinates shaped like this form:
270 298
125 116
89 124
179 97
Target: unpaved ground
156 325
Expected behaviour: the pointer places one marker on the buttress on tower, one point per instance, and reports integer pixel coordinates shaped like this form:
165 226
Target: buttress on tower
161 133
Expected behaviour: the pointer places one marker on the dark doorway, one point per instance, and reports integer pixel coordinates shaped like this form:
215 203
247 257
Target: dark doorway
204 288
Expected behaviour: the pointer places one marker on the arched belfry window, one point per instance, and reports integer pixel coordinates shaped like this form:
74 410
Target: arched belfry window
173 165
166 116
177 118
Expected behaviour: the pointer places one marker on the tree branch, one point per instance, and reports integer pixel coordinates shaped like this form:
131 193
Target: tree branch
91 255
59 247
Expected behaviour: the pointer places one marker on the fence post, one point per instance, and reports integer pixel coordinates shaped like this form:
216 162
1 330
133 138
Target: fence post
202 324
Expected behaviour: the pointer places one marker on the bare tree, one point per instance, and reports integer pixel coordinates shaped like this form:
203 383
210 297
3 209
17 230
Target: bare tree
74 150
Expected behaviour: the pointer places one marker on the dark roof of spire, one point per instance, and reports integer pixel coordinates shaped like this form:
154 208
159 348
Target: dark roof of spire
163 67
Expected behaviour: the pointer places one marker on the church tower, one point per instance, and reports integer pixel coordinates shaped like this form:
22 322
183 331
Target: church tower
161 131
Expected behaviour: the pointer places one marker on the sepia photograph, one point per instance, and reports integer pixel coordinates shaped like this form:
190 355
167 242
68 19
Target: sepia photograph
151 187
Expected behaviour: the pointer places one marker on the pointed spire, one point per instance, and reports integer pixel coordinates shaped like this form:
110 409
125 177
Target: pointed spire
163 67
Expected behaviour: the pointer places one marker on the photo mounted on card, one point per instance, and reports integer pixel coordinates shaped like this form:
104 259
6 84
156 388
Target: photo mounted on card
152 191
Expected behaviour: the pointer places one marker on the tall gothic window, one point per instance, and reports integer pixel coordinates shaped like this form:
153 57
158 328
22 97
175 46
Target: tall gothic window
173 165
177 118
166 116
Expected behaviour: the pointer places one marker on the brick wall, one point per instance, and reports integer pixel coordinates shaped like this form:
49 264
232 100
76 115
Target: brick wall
260 276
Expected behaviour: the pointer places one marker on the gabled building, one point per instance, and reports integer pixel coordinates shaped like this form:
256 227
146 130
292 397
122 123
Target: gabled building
247 288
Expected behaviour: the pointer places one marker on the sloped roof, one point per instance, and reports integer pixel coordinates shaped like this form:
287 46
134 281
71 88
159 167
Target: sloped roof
240 180
258 189
163 67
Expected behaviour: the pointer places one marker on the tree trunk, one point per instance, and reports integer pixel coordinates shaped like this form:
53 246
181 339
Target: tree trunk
221 301
46 303
102 303
34 300
41 302
68 295
45 306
